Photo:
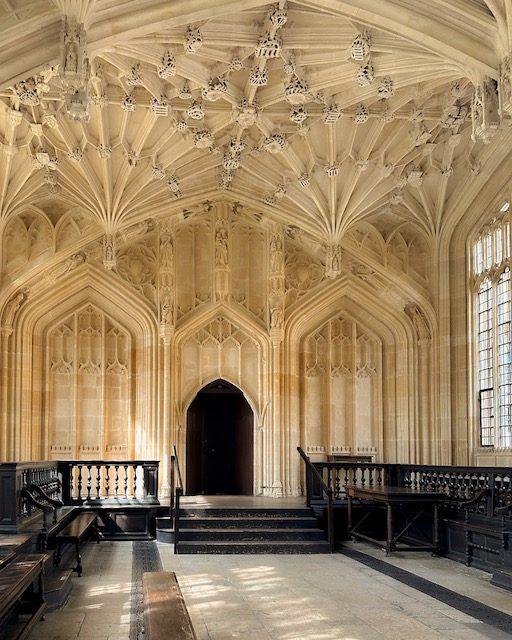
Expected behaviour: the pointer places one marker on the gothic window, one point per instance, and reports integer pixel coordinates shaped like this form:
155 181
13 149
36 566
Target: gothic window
491 267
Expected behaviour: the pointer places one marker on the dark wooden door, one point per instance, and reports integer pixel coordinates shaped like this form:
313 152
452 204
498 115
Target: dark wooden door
220 442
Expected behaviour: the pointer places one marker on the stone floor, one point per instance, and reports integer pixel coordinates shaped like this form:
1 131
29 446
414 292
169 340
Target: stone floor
264 597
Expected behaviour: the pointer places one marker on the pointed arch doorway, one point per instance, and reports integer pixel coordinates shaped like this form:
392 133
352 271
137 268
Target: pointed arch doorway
220 442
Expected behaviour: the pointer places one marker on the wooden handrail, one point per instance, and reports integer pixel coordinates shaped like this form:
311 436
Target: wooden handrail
176 493
35 488
40 504
312 472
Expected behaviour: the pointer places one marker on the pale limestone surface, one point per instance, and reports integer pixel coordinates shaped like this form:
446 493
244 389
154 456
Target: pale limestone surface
281 196
279 597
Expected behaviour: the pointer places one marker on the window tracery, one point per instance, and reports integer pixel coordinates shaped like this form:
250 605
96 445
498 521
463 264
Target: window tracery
493 332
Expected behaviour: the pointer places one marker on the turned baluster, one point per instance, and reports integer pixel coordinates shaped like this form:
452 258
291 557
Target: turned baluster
107 480
89 481
116 479
79 483
98 481
125 484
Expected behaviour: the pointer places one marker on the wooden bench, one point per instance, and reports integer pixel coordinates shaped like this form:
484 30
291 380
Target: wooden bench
165 613
22 602
76 532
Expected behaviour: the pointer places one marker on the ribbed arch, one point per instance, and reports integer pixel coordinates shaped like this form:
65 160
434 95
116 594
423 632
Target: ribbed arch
246 324
84 291
384 321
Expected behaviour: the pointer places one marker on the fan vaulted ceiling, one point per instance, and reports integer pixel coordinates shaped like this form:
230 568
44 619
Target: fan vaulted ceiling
325 112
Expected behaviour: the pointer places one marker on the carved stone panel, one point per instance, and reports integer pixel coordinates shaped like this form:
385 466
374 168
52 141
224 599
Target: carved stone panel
340 382
89 387
194 262
249 275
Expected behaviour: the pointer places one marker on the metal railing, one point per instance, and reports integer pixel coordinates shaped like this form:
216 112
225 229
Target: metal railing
176 485
315 483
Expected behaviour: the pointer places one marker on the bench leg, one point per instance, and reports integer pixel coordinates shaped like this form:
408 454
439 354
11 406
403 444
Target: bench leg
96 531
78 568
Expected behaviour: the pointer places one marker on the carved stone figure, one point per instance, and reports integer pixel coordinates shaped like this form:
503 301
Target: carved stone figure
108 252
221 247
166 252
71 61
276 247
276 317
12 307
165 311
419 321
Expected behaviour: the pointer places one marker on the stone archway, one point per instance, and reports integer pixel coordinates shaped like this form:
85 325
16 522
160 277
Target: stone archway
220 442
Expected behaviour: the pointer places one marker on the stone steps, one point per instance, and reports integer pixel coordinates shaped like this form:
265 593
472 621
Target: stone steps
245 530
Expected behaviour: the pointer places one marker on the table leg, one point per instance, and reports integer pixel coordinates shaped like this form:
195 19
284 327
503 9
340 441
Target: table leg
389 518
436 529
349 514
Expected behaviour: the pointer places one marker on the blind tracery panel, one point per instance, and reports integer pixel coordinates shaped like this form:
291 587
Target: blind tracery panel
88 387
341 388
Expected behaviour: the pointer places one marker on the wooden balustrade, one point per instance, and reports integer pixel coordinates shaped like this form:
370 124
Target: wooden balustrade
460 484
93 481
475 518
127 483
16 513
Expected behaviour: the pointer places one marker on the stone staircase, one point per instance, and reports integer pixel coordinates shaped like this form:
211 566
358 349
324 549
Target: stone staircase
245 530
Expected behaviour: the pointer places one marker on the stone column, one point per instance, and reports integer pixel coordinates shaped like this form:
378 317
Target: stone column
167 317
278 455
425 448
6 424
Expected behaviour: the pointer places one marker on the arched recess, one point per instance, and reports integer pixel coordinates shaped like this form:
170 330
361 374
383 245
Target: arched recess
349 316
96 334
220 425
226 344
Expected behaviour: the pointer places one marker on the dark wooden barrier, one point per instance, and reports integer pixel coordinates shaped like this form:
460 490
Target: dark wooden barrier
17 514
475 519
124 493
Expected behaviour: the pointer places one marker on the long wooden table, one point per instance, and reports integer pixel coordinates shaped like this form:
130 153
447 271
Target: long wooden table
412 504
